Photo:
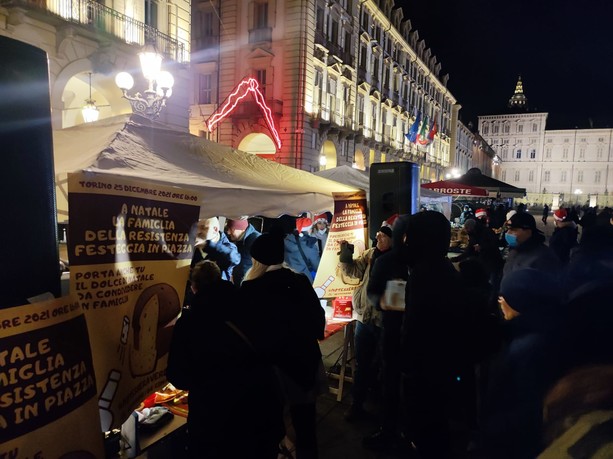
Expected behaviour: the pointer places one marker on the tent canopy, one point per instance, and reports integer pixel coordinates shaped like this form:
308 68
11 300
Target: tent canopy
452 188
495 188
232 183
347 175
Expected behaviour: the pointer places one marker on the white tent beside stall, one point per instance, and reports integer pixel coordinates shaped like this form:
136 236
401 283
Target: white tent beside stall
354 177
232 182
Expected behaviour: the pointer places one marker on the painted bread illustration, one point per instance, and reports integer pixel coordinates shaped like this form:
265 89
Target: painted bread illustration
154 315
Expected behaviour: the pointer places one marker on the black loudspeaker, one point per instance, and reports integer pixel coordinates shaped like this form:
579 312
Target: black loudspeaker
394 189
30 258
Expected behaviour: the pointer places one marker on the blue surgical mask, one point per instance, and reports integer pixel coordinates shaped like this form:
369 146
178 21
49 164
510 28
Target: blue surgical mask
511 239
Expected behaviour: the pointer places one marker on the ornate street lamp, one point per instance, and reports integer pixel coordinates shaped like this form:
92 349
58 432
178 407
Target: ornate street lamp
160 84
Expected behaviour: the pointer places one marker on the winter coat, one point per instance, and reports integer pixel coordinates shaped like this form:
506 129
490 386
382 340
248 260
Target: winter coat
533 253
244 249
223 252
294 258
230 389
563 240
360 269
519 377
284 320
488 253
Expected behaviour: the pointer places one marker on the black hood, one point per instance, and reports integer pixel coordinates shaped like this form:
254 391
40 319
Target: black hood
428 235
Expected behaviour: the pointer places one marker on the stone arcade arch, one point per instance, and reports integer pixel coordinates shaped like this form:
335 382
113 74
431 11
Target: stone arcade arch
258 144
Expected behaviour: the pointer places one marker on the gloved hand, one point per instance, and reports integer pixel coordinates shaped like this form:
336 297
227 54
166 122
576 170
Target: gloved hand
346 252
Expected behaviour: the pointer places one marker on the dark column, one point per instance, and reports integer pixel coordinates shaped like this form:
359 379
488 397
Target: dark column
30 260
394 189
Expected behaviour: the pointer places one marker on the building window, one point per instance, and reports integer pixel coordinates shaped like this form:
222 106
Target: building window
582 153
580 176
582 139
566 140
549 140
495 129
334 33
260 75
504 176
548 153
517 176
531 176
320 19
260 15
563 176
518 154
534 127
597 175
504 153
486 129
520 128
203 26
565 153
532 154
547 176
599 153
506 128
204 89
151 13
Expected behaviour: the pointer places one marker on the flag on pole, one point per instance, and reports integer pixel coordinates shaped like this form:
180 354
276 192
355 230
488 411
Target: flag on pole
433 131
422 137
412 134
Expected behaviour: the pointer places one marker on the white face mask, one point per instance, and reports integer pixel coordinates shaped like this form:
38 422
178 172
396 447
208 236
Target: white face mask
321 231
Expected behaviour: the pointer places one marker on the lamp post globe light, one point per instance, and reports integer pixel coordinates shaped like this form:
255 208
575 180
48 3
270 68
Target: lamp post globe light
159 89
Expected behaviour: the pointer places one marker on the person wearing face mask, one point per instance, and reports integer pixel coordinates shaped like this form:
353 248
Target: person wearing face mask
320 231
527 247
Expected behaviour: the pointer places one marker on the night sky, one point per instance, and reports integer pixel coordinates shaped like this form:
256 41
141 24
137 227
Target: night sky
563 50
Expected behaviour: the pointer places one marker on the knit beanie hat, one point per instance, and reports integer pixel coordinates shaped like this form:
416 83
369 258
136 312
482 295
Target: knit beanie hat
531 290
560 214
241 224
387 230
268 249
303 224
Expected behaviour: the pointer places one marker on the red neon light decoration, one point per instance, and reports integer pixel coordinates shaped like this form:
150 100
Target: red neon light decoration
240 92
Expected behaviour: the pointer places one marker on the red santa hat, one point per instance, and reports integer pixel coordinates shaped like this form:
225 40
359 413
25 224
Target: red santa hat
481 213
321 218
390 221
560 214
304 224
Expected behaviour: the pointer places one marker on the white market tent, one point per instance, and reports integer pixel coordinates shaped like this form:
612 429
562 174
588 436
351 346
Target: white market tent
232 183
354 177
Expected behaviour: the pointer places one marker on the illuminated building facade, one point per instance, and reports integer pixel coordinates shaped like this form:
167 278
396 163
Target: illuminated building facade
88 40
343 80
570 166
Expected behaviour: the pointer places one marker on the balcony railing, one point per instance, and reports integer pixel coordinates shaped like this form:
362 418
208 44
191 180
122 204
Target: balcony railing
104 19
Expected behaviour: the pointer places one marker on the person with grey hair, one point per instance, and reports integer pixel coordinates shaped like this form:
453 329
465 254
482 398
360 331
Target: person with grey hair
213 245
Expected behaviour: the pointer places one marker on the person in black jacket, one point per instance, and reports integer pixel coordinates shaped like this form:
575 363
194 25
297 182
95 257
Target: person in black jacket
437 367
564 236
234 406
283 318
390 265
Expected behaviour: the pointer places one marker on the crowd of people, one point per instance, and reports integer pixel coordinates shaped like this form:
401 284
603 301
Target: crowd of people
483 359
487 333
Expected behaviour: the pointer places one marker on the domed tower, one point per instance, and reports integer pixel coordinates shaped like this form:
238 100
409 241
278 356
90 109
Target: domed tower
518 101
